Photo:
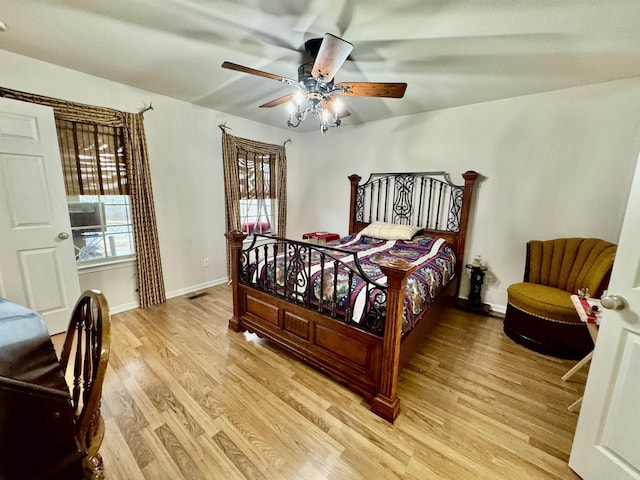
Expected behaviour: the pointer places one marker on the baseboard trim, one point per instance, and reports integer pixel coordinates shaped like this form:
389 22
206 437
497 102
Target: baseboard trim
174 293
193 288
496 309
123 308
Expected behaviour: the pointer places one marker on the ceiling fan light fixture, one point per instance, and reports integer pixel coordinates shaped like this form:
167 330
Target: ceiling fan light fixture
328 116
316 89
328 119
297 112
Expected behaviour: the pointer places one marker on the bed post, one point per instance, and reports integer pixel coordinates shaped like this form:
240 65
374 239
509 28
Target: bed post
467 198
234 241
354 179
386 402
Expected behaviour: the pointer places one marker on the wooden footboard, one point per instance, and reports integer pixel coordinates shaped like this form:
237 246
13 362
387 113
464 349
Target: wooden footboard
365 362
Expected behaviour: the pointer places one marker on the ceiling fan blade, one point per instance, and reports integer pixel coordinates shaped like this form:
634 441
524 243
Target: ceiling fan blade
373 89
333 104
332 54
277 101
260 73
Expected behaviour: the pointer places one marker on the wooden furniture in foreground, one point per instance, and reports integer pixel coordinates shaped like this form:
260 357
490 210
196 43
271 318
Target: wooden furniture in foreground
540 315
37 435
367 363
86 353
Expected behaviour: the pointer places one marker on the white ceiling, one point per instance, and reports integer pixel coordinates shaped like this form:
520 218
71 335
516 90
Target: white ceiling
450 52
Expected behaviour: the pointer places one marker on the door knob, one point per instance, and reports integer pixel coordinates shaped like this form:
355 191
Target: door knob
63 235
613 302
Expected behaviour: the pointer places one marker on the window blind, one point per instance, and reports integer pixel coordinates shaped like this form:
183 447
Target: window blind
256 175
93 158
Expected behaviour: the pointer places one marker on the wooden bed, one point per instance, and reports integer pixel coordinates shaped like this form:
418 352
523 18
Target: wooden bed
366 356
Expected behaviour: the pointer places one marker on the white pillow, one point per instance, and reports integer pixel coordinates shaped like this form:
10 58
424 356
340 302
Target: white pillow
390 231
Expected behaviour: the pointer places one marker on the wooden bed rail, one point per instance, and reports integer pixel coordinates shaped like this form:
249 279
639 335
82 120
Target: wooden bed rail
293 269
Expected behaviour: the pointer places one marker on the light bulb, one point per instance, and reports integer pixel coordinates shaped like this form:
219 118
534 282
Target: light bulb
338 107
298 98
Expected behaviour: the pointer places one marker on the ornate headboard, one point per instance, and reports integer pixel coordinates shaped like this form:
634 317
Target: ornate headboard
426 199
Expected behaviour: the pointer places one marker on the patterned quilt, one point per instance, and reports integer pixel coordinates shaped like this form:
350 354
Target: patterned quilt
361 302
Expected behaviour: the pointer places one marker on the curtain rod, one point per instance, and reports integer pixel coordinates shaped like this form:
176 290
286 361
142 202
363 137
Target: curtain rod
223 127
146 109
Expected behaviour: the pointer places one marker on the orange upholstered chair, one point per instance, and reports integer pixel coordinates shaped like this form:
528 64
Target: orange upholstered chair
540 314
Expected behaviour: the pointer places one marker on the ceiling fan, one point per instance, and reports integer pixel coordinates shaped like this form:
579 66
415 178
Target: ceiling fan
316 91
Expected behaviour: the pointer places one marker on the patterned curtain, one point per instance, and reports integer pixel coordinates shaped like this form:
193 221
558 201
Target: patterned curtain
149 268
235 148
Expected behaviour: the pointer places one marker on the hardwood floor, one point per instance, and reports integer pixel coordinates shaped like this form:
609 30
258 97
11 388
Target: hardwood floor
186 398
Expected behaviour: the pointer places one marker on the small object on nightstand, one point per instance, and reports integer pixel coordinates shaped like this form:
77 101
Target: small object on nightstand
320 237
477 270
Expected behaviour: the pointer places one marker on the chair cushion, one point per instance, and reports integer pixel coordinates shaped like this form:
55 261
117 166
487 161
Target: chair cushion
546 302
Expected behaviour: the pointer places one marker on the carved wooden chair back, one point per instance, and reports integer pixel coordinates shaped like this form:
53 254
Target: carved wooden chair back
88 342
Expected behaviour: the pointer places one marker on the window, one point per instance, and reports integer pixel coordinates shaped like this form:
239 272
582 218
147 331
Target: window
101 226
256 179
255 186
257 215
94 168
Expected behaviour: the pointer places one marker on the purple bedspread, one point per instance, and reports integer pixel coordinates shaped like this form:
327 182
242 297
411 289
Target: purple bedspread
434 258
355 300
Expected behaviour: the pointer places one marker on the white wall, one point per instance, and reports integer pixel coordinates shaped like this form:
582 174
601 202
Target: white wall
555 164
185 151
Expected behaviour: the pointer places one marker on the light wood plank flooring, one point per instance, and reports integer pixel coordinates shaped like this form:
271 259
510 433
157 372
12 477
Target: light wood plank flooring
185 398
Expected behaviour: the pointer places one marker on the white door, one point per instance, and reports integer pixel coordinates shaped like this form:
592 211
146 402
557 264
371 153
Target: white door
37 263
607 439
